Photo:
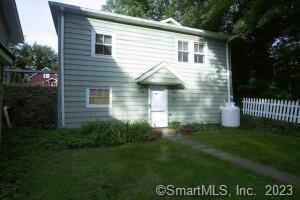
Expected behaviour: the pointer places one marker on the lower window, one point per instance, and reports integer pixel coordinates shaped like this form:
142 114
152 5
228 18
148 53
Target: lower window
198 58
98 97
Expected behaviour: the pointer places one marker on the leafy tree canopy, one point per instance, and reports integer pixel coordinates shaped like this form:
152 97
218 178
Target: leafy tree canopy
35 57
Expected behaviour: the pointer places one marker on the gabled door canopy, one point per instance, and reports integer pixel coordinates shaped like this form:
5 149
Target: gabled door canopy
161 74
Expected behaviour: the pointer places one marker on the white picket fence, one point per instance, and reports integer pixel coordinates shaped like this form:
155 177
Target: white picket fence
283 110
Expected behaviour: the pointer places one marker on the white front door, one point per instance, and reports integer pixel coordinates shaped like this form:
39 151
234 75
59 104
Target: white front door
158 108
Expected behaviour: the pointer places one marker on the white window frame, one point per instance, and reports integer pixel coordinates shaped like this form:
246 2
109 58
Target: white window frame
188 51
88 105
93 43
203 53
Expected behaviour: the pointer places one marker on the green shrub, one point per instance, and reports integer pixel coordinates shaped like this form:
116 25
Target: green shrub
31 107
253 123
271 125
98 134
94 134
176 125
117 132
202 126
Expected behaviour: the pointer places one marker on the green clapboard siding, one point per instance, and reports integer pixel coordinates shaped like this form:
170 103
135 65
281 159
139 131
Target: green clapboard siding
136 50
3 32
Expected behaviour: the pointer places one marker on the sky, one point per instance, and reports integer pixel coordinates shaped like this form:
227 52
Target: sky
37 23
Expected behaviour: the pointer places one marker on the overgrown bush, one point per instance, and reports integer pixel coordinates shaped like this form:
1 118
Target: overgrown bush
176 125
271 125
98 134
253 123
117 132
202 126
31 107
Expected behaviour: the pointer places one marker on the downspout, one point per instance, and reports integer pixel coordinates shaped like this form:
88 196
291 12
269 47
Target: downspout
228 73
62 84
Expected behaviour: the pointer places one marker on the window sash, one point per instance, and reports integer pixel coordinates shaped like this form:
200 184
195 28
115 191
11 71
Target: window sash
183 46
101 49
197 47
183 56
199 55
103 40
99 97
198 58
183 51
103 44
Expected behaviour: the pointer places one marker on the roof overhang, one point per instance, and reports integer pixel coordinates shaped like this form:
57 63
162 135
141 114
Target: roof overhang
161 74
56 8
11 17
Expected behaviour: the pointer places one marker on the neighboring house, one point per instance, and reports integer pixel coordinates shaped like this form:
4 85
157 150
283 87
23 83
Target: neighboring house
119 67
43 79
10 34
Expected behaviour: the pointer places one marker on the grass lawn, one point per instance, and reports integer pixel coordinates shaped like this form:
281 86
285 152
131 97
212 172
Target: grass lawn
275 150
131 171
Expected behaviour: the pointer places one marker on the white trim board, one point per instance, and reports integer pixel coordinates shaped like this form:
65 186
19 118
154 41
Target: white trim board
152 70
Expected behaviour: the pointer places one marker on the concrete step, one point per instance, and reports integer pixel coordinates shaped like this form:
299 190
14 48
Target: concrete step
165 132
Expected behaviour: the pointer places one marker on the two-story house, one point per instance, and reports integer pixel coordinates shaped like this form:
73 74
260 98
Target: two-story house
126 68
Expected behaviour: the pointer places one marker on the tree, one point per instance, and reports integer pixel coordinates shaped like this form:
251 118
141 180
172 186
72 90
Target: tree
149 9
264 36
35 57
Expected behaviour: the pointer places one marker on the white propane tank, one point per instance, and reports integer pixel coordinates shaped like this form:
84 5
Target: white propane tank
230 115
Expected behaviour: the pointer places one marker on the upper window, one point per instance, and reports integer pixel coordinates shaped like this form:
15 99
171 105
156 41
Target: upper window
183 51
198 52
103 44
98 97
46 75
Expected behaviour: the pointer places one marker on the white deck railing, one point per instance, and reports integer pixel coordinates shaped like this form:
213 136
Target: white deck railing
283 110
